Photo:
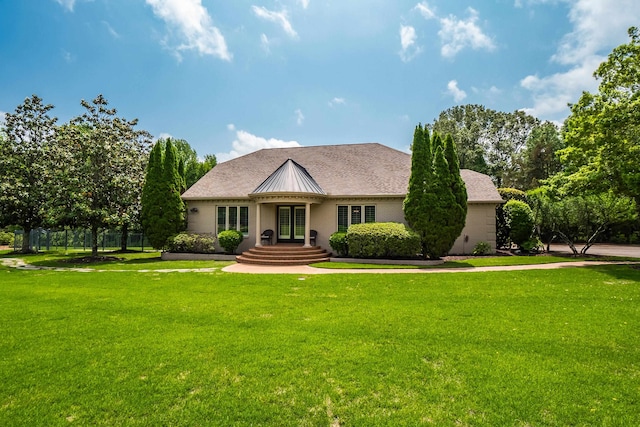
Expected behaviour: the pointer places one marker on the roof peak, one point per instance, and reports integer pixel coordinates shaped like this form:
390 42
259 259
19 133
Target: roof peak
290 177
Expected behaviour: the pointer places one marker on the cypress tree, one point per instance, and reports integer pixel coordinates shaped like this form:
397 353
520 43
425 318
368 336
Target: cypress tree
162 207
442 231
457 185
153 199
173 183
436 203
416 203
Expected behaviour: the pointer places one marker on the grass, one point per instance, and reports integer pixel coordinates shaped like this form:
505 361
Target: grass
466 263
132 261
143 349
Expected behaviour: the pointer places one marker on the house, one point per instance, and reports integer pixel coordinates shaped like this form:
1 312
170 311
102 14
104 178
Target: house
324 188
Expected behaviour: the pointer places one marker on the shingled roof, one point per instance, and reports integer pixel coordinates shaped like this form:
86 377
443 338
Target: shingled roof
352 170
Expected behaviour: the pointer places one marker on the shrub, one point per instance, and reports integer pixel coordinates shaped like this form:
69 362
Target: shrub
338 242
382 240
230 240
481 248
520 221
532 245
192 243
6 238
502 228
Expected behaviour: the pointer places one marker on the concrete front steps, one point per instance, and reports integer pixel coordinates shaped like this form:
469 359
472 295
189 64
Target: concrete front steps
281 254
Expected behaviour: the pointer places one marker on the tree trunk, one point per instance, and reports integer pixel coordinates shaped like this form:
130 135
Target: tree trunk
26 241
94 241
124 237
569 242
592 239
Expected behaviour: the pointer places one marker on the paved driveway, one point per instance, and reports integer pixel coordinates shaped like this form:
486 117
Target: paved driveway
603 249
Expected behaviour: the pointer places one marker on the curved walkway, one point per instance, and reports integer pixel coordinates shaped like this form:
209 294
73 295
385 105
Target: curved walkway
599 249
21 265
305 269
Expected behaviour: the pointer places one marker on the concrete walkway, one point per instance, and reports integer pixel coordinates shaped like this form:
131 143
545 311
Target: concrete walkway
307 270
631 251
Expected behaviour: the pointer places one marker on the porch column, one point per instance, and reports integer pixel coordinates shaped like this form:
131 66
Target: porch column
307 226
258 225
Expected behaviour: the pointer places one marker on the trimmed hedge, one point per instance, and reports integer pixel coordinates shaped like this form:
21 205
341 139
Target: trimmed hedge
338 242
230 240
192 243
382 240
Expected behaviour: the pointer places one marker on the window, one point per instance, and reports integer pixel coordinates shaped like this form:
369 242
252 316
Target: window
343 218
233 218
353 214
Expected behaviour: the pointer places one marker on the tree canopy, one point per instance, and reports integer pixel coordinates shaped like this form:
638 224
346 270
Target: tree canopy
489 141
602 133
101 160
190 167
25 166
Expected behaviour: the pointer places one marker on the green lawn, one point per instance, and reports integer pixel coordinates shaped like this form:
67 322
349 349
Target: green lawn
529 348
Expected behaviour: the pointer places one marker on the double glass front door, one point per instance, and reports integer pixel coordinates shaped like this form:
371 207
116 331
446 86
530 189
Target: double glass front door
291 223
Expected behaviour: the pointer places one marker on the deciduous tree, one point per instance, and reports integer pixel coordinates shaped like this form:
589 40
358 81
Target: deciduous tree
26 167
602 132
101 160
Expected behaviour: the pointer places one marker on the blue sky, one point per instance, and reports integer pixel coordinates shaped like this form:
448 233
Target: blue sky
231 77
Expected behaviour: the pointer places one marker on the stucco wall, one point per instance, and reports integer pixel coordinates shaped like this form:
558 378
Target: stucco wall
480 225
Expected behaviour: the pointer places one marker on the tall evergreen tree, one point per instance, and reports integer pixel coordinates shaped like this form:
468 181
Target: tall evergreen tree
162 207
174 213
436 203
153 199
416 203
443 228
457 185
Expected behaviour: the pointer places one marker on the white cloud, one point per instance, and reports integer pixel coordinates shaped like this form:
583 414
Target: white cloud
111 31
265 43
337 101
598 26
68 4
299 117
246 143
68 56
456 34
3 117
457 93
425 10
281 18
409 49
304 3
194 24
164 135
231 127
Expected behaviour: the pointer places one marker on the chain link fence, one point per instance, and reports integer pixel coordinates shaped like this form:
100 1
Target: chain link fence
108 240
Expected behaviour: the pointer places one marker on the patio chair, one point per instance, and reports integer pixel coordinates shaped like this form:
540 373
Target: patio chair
268 236
313 234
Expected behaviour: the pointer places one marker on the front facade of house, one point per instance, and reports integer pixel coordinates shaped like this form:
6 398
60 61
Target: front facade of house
325 188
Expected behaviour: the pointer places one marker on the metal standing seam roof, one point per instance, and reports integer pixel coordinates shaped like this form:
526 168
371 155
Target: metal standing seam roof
290 177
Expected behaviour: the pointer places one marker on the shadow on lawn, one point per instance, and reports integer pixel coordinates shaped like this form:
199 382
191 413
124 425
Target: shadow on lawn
629 272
